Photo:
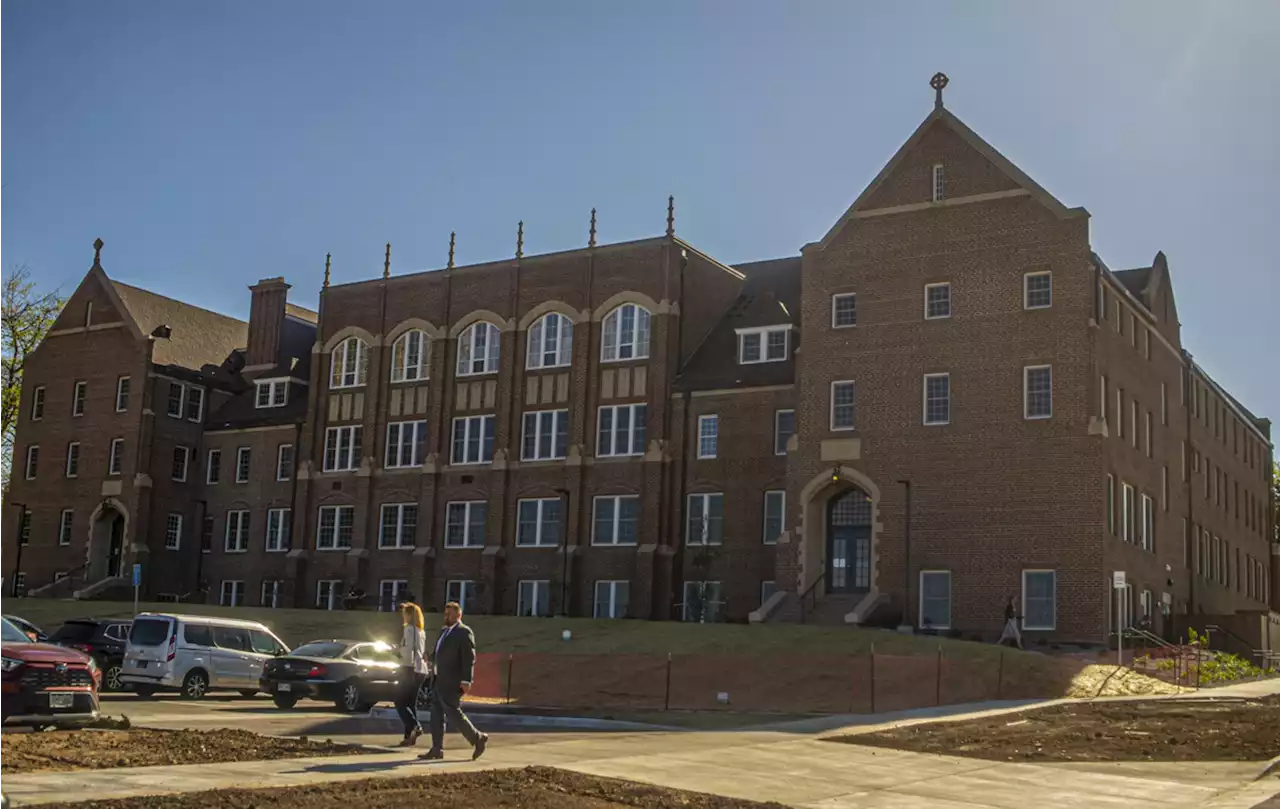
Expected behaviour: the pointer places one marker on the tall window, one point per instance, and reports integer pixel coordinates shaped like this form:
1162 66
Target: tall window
843 405
784 426
122 394
329 594
65 521
213 467
1037 290
37 403
244 456
115 456
24 530
937 301
1147 433
33 461
708 435
232 593
73 459
612 599
464 524
206 534
706 519
775 515
342 448
175 399
77 402
279 526
1111 505
406 443
937 398
173 532
938 183
236 539
390 593
271 593
538 523
546 435
1037 391
1039 599
271 393
473 440
616 520
1129 522
195 404
702 601
409 356
399 525
534 598
334 531
462 592
284 462
624 334
478 349
349 363
844 310
767 344
550 342
180 458
1148 524
621 430
935 599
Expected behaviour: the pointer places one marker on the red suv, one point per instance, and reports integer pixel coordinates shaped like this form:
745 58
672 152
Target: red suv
45 684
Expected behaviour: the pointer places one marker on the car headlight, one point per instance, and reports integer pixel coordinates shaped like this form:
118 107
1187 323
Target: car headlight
10 663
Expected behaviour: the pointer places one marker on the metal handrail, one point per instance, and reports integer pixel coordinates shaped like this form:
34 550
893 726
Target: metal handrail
1147 635
810 591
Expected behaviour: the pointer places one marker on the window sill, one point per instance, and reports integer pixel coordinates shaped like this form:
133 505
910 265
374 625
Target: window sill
397 547
235 550
538 547
475 374
464 547
621 360
615 544
410 381
332 550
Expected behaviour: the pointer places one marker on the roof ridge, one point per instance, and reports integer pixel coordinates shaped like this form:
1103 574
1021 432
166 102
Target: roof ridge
114 282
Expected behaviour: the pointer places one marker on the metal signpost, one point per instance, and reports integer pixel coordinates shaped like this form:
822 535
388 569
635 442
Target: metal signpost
137 582
1117 581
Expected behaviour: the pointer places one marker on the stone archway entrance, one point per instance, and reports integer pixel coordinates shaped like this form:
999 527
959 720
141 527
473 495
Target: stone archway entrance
106 542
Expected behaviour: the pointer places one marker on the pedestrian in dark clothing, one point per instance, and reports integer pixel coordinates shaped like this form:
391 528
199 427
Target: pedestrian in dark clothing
453 667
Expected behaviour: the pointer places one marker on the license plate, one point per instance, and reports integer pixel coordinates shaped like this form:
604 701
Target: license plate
62 700
284 687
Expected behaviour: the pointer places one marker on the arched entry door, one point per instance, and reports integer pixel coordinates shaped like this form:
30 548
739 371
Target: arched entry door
849 542
107 544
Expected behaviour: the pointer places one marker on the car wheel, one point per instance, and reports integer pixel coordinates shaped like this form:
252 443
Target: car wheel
284 701
351 699
195 685
111 678
249 692
144 691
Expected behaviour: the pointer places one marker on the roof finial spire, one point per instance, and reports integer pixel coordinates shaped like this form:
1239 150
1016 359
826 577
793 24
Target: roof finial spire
938 83
671 216
97 252
520 239
327 258
453 237
591 240
386 264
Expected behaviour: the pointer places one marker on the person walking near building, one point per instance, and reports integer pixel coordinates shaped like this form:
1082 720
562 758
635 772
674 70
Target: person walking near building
1011 632
453 667
413 671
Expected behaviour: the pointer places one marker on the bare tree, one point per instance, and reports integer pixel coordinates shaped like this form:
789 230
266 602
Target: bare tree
27 317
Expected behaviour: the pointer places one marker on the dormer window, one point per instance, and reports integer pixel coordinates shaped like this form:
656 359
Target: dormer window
272 393
764 344
938 187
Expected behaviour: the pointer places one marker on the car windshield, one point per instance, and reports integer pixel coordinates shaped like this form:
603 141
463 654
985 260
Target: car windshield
149 631
319 649
11 634
74 631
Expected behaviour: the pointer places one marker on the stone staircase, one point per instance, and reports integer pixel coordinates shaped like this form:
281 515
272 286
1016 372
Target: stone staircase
102 589
830 610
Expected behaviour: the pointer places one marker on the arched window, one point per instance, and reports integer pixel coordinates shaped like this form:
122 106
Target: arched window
349 364
409 356
550 342
625 333
478 349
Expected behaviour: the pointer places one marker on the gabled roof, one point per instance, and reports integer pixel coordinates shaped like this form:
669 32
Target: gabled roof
197 337
1135 281
944 116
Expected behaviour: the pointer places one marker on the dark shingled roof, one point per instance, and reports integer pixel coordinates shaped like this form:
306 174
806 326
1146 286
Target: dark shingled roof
770 296
241 410
1135 281
197 336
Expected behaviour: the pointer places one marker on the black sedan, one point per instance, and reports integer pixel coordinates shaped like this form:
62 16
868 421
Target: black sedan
103 639
353 675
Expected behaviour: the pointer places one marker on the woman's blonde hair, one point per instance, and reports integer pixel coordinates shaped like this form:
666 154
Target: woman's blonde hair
411 613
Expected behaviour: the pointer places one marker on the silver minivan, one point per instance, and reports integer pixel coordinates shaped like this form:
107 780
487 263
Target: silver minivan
193 654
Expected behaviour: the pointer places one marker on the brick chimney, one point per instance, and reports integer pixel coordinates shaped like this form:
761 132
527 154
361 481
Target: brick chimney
266 321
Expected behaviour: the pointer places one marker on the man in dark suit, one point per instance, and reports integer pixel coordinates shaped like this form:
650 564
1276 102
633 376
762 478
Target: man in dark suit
453 664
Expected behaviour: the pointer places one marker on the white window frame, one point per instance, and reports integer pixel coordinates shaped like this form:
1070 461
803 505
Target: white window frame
235 535
853 425
404 535
1128 507
932 286
610 588
1026 625
1026 289
236 598
468 541
704 538
763 334
638 413
32 466
402 370
181 476
79 398
555 449
708 435
279 526
836 300
334 542
66 522
283 471
466 591
332 588
348 441
767 588
1026 392
541 523
397 589
479 425
535 589
123 385
713 604
69 471
614 342
173 532
181 409
469 340
615 525
277 393
777 416
924 394
37 403
920 600
780 496
939 182
196 395
1147 523
349 364
406 455
210 478
1111 504
115 457
244 462
271 588
539 336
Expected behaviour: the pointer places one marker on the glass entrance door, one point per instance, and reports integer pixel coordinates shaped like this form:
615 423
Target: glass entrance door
849 543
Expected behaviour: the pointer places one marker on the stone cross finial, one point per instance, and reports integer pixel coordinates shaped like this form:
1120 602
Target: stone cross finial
453 237
520 239
939 83
327 258
671 216
386 264
97 252
591 240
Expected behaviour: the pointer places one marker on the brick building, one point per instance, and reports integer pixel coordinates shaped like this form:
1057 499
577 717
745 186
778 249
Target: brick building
947 401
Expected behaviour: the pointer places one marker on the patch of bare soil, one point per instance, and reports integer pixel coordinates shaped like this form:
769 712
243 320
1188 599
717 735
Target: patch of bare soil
529 788
1158 730
104 749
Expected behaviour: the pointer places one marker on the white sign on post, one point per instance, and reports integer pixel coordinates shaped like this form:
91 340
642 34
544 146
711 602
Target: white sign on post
1117 579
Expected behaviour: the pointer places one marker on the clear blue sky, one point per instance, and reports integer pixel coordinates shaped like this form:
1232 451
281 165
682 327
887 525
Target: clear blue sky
212 144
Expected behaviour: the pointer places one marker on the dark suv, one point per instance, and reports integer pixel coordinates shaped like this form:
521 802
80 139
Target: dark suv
103 639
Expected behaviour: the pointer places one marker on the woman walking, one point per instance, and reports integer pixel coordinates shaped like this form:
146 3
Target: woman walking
413 671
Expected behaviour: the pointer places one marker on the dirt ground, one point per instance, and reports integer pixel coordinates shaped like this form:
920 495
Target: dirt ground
529 788
1159 730
104 749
